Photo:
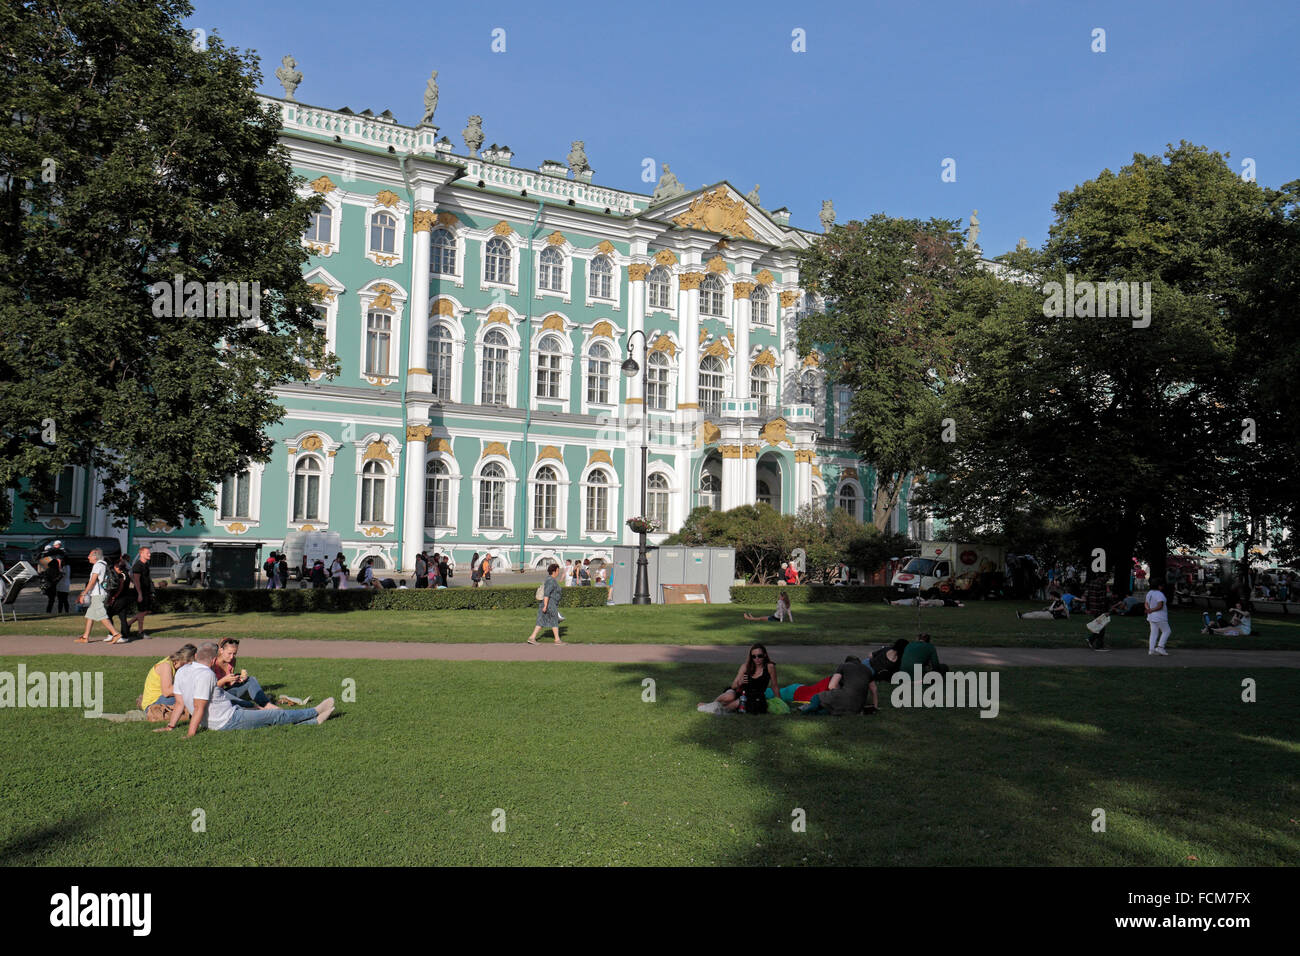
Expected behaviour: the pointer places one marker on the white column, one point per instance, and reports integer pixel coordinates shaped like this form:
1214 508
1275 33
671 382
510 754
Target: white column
733 477
688 313
419 378
741 319
802 479
636 273
749 474
417 437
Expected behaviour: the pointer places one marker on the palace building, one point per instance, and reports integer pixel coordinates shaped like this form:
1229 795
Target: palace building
481 313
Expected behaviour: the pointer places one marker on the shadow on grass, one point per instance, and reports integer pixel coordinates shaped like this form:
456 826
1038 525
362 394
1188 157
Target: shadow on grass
1185 771
32 846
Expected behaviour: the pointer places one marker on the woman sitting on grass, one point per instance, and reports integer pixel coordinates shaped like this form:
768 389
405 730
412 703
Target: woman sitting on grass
782 612
159 696
755 676
1058 610
246 690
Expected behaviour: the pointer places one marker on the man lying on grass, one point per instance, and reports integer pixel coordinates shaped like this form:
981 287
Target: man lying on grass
210 706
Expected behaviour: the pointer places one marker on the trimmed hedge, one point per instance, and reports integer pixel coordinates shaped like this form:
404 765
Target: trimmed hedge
766 594
293 600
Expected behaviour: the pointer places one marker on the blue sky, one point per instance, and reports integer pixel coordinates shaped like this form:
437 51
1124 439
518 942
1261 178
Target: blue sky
883 94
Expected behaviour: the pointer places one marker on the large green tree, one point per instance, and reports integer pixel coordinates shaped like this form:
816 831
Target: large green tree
894 291
133 151
1125 427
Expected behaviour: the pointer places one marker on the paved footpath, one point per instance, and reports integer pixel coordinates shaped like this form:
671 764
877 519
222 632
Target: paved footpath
825 654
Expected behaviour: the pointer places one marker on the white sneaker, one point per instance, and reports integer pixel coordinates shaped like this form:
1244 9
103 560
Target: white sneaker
1151 653
1162 652
713 708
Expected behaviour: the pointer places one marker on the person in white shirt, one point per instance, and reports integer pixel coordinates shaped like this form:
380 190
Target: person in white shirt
339 572
94 596
211 707
1158 617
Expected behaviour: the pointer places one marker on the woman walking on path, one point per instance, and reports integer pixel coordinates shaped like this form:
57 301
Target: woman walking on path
548 612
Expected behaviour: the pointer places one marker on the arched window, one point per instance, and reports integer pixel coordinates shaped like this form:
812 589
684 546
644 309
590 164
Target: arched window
492 496
659 284
712 380
598 375
379 337
710 491
442 253
763 493
711 298
383 233
759 311
656 386
550 357
546 499
440 359
496 261
496 368
306 490
600 278
321 226
436 488
374 487
236 494
760 386
848 500
657 500
598 501
808 387
551 274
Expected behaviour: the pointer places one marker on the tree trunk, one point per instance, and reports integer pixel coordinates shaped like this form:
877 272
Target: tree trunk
888 491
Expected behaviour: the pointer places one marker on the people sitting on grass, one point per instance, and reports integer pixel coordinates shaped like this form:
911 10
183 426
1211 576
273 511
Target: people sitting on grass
782 612
936 600
159 696
748 692
885 661
921 652
1056 611
1237 623
246 690
850 690
1129 606
213 708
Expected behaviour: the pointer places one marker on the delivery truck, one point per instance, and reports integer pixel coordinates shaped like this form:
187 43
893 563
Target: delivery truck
966 567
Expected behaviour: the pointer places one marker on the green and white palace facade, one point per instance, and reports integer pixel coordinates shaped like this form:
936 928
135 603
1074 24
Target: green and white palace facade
480 313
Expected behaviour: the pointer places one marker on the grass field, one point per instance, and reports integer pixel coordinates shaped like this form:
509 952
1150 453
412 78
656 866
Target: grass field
980 624
588 773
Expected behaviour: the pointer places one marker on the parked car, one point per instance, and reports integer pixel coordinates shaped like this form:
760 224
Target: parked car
194 566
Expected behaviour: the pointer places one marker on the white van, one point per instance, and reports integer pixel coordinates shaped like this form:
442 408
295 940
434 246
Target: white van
947 559
313 544
194 566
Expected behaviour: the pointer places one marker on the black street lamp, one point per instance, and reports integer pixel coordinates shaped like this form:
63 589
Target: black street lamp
641 593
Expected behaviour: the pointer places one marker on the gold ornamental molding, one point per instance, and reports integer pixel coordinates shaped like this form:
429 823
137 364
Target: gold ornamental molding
774 432
236 527
633 401
717 212
602 329
383 297
317 250
418 432
554 321
690 280
731 340
849 473
664 344
418 371
709 433
681 405
556 239
495 448
498 315
443 307
704 336
440 444
718 350
605 247
729 451
323 184
600 456
789 298
375 532
447 219
159 526
377 451
817 470
320 292
388 261
423 220
766 357
311 443
381 381
386 197
751 451
665 257
812 361
742 290
804 455
502 228
716 265
307 527
765 278
637 271
550 452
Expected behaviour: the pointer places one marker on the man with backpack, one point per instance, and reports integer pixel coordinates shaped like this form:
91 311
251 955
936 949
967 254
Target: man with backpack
270 568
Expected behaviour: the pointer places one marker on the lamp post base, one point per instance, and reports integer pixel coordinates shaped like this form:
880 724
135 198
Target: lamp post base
641 593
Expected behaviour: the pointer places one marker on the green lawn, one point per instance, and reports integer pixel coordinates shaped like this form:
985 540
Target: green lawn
983 624
587 773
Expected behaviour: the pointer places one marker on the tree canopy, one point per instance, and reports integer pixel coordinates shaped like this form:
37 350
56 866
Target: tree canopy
135 152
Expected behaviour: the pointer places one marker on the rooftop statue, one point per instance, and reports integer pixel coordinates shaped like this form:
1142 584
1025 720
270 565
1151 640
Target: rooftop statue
578 157
752 196
473 133
827 215
430 99
289 75
973 233
667 187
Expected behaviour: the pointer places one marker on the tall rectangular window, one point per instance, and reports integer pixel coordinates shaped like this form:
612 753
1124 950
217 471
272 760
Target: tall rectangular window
379 333
235 495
